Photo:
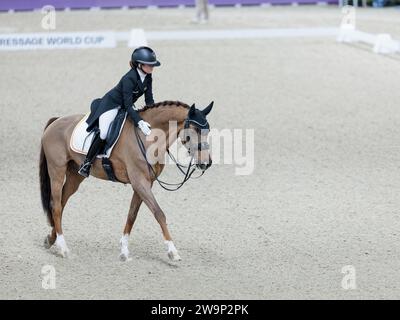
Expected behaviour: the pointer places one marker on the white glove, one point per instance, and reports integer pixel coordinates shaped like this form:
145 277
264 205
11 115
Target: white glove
145 127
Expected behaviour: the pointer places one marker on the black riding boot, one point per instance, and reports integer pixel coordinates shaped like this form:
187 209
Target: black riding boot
96 146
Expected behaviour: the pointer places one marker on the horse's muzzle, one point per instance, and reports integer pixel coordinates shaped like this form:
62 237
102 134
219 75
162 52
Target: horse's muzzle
204 166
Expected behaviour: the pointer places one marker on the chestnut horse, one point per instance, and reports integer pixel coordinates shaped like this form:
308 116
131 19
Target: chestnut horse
59 164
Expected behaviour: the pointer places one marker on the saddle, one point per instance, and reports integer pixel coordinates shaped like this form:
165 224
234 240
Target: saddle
81 140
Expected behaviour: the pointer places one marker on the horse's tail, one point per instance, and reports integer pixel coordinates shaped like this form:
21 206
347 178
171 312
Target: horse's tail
45 186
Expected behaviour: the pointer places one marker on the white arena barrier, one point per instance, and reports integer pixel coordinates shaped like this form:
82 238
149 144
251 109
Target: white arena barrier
381 43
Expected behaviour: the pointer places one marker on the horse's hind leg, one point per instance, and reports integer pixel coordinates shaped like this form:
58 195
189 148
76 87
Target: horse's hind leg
71 185
57 176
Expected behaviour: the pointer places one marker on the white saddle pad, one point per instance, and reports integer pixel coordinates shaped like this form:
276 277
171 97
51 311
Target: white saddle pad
81 139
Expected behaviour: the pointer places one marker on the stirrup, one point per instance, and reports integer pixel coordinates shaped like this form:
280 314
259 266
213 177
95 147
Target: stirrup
84 170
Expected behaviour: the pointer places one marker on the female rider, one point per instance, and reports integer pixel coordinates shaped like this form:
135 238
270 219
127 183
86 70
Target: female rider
136 82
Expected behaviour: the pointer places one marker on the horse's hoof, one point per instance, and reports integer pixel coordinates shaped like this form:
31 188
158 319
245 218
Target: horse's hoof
63 252
124 257
174 256
62 248
48 243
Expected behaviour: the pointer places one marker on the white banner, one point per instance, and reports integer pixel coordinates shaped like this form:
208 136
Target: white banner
50 40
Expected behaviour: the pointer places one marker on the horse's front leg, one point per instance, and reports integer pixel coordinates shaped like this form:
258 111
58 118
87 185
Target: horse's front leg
143 188
133 211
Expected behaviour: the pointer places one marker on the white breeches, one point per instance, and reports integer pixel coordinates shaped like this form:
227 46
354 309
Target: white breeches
105 120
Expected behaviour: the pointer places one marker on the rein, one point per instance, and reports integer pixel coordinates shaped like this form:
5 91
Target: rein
180 166
164 184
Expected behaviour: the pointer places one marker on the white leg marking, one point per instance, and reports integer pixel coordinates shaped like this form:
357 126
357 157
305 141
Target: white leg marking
124 255
171 251
62 246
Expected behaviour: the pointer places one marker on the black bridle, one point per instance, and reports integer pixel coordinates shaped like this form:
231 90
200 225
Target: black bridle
199 126
188 174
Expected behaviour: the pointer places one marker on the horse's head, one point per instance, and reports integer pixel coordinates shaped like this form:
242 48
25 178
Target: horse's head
194 136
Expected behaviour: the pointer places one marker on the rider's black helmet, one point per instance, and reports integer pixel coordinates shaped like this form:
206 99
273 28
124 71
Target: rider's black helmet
145 55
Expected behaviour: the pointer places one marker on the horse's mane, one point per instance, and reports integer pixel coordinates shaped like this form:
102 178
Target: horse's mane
164 104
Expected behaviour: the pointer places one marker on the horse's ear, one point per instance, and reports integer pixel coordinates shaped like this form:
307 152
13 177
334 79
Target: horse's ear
192 109
207 110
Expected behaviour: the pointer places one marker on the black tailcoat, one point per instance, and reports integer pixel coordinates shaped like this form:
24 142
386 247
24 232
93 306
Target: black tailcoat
124 94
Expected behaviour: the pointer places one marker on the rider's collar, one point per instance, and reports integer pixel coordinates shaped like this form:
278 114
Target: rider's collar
142 74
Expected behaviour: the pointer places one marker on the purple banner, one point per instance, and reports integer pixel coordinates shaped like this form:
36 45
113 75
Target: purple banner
6 5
